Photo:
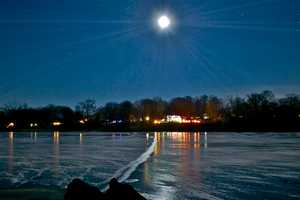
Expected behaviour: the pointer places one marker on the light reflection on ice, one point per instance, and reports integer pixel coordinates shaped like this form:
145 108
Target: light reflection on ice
56 158
222 166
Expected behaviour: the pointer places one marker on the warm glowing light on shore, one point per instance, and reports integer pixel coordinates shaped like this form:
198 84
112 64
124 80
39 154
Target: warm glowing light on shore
83 121
33 125
157 121
10 125
56 123
196 121
147 118
186 121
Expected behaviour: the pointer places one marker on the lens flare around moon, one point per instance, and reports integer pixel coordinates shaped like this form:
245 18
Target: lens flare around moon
164 22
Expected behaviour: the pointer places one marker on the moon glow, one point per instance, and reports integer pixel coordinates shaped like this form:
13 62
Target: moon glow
164 22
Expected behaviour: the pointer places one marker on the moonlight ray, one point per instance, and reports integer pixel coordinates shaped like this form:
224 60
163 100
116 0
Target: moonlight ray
207 23
250 27
62 21
132 34
235 7
198 57
105 36
113 36
202 55
211 56
21 83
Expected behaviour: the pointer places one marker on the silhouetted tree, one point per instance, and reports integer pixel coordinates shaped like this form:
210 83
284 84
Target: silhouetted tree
154 108
111 111
200 104
213 108
126 111
182 106
87 108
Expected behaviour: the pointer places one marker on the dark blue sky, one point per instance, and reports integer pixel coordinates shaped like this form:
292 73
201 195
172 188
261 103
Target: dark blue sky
64 51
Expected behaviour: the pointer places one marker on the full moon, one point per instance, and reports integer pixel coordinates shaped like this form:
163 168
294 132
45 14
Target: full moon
164 22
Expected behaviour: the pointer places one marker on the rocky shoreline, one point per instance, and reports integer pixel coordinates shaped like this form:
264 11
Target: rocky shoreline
79 190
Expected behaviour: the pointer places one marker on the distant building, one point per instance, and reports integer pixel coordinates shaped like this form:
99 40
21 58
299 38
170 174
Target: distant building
173 119
178 119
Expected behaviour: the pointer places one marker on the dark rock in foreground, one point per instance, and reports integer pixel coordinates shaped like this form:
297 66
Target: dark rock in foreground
79 190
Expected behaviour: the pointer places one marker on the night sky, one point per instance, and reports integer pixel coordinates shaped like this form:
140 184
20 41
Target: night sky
65 51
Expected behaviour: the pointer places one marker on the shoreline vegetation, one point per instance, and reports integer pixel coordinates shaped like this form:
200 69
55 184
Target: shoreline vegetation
259 112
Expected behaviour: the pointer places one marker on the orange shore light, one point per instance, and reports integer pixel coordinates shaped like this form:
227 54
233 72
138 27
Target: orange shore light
56 123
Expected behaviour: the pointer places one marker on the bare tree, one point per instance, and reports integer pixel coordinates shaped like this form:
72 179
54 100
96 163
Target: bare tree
87 108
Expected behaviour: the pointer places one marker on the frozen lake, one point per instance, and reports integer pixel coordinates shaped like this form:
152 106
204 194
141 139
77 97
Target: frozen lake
160 165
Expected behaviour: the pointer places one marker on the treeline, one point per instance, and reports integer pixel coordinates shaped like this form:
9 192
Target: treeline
262 111
258 111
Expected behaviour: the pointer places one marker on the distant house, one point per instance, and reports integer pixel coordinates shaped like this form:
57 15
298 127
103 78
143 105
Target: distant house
173 119
178 119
